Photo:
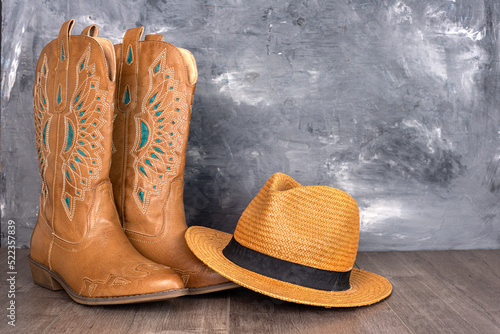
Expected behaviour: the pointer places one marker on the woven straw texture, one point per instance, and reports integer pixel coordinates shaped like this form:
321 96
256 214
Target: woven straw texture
366 288
315 226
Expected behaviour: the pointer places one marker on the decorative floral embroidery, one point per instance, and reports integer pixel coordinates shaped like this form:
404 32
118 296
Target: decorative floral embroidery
113 147
141 271
42 123
82 143
164 111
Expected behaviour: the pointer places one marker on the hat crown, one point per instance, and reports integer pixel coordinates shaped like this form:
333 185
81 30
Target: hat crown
316 226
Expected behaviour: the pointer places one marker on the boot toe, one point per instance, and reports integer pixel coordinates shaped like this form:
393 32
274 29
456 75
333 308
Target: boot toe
164 279
206 280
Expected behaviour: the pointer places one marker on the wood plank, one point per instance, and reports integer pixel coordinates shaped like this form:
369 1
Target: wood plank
251 312
36 307
491 260
444 291
475 286
441 291
193 314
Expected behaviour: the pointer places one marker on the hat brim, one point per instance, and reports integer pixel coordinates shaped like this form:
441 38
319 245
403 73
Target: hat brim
366 287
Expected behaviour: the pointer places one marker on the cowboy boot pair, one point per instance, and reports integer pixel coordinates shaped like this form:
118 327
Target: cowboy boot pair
78 243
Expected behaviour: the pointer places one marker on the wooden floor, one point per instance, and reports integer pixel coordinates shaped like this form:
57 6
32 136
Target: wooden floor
434 292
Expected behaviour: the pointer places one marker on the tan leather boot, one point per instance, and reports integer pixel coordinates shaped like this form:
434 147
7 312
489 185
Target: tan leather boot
156 83
78 244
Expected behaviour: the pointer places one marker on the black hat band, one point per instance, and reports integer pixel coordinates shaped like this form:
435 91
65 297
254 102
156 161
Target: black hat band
286 271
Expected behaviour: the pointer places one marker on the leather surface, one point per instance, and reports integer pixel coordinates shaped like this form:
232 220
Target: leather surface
156 83
78 233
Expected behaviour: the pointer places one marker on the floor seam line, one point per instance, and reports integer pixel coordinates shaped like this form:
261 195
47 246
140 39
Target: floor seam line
228 310
400 319
52 322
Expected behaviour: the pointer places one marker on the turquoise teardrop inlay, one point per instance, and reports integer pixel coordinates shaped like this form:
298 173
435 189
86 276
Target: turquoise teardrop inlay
158 149
67 201
81 66
149 162
154 156
129 57
81 153
144 134
59 99
77 97
78 160
141 195
67 175
62 56
43 97
70 136
83 112
126 99
156 105
151 100
157 68
143 171
161 119
72 166
159 113
45 133
79 106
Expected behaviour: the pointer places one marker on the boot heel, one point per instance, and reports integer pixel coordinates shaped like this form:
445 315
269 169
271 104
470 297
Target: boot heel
43 278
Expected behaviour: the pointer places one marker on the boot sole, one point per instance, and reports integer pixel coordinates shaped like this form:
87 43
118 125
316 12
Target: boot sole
49 279
212 288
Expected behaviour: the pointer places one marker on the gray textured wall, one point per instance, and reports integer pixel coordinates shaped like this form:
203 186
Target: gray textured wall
395 102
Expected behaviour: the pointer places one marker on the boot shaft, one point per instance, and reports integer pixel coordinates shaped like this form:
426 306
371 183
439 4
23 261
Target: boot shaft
155 87
73 100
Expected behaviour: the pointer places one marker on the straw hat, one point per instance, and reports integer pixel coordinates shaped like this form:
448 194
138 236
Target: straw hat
294 243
